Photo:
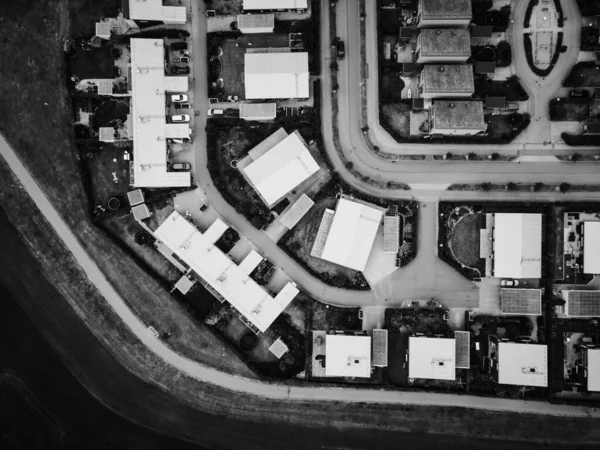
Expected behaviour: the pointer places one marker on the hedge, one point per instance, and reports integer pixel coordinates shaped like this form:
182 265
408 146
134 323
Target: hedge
529 54
575 140
530 6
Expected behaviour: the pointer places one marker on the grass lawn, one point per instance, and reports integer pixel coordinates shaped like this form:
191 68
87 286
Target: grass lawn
104 166
510 88
583 74
83 14
566 109
397 116
226 7
390 87
109 111
465 239
499 128
93 63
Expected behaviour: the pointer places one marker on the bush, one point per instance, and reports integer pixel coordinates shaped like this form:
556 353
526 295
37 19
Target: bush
576 140
529 54
248 341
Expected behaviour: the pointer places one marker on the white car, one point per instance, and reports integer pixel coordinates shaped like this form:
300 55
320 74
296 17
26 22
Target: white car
178 98
509 283
215 112
180 118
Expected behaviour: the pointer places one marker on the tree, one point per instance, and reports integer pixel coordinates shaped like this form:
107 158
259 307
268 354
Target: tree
564 187
217 314
494 156
575 157
334 67
537 187
486 187
376 149
448 155
349 165
511 186
471 155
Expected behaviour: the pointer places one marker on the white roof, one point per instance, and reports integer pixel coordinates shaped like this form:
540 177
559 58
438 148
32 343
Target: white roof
276 75
278 348
222 274
352 233
177 130
256 21
522 364
591 247
154 10
148 110
593 368
216 230
518 245
297 211
431 358
105 86
140 212
106 134
275 4
251 262
347 356
103 29
281 169
258 111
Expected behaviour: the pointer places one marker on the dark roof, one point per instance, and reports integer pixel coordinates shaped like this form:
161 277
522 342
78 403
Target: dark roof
462 341
409 67
446 9
418 103
583 303
482 32
125 8
405 33
458 115
592 128
450 78
485 66
521 301
380 348
445 42
495 102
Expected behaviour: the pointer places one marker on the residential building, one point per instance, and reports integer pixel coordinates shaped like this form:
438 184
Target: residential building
276 75
581 303
522 302
444 13
462 340
346 235
148 111
517 245
256 23
380 348
588 367
591 247
431 358
485 68
456 117
518 363
446 81
348 354
296 212
228 281
481 35
258 111
148 13
447 45
279 164
274 5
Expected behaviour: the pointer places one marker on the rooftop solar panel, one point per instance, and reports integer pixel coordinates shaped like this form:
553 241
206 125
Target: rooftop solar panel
583 303
463 343
380 348
521 301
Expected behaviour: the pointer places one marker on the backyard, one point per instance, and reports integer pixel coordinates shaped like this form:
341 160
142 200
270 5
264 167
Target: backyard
464 241
568 109
583 74
397 117
108 174
510 88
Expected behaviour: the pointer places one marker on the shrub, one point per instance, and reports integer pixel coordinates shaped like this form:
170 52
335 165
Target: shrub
529 54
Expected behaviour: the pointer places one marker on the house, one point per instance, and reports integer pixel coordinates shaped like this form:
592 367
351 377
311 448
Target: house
591 247
348 354
296 212
431 358
276 75
149 13
256 23
444 13
445 81
481 35
258 111
588 368
228 281
274 5
447 45
346 235
149 128
522 302
581 303
459 118
518 363
517 245
279 164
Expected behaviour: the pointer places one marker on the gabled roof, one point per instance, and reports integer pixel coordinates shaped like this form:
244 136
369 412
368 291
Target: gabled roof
518 245
457 114
445 42
445 9
448 78
522 364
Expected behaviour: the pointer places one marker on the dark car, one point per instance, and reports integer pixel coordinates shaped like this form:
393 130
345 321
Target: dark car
182 106
204 207
180 70
338 46
579 93
179 46
181 167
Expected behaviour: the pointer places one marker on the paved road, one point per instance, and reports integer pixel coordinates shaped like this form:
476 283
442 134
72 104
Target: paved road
213 376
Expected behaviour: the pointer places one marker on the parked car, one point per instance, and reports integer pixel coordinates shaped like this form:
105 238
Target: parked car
579 93
180 70
509 283
178 46
182 106
338 46
512 107
178 98
183 60
181 167
215 112
180 118
232 112
203 207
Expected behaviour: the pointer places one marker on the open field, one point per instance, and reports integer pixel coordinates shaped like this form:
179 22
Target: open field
397 116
